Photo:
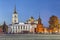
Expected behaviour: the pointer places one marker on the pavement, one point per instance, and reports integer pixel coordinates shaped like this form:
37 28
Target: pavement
29 36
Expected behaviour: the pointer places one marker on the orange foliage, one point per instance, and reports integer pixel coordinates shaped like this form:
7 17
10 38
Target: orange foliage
39 28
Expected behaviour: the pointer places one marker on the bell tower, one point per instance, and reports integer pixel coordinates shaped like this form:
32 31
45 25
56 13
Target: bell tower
39 28
14 16
39 20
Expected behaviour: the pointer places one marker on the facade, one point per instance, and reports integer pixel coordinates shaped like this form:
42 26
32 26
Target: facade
22 28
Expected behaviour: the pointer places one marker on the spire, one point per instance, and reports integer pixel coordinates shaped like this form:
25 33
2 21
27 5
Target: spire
4 23
15 9
39 15
32 17
39 20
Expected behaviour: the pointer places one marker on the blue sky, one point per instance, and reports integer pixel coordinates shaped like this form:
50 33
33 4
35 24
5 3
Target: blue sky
28 8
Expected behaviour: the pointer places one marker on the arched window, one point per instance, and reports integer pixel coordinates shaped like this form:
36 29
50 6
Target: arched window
15 20
15 15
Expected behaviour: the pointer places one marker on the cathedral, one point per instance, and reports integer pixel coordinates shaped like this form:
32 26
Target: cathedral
21 27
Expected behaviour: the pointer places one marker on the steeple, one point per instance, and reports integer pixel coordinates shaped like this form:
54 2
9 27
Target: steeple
32 17
15 16
39 19
15 9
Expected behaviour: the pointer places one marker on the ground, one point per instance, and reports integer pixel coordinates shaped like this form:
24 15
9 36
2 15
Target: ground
29 37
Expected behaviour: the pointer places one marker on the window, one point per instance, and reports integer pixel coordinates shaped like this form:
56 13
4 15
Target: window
18 27
26 27
21 27
15 15
15 20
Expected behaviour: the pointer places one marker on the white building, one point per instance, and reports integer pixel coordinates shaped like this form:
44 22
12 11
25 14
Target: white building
17 27
22 27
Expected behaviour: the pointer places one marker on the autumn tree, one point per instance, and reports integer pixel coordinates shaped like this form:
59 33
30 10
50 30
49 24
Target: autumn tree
54 23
